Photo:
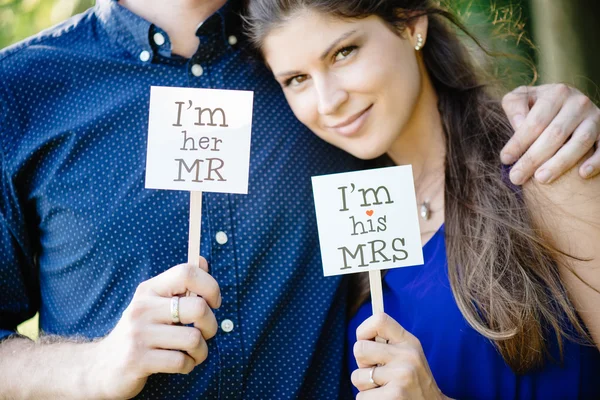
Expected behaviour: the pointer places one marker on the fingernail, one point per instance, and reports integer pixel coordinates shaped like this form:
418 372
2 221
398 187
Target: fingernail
507 158
543 176
516 176
588 171
518 120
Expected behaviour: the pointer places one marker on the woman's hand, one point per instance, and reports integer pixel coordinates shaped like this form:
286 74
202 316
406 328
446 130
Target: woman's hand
555 127
396 370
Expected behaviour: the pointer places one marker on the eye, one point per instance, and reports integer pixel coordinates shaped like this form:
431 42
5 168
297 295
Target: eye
295 80
344 52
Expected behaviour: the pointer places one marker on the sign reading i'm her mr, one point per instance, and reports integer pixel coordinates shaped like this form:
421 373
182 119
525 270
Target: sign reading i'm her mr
367 220
199 139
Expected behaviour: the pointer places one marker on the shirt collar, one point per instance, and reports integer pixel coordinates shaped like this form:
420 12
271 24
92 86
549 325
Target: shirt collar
133 32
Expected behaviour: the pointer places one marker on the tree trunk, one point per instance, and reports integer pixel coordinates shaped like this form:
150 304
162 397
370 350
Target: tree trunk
567 33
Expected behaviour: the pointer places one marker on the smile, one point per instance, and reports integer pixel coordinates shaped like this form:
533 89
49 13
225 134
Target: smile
353 124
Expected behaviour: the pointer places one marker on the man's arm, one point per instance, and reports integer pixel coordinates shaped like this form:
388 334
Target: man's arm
144 342
30 370
568 213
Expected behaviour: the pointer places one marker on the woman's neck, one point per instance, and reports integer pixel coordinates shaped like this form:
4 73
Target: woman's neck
422 144
179 18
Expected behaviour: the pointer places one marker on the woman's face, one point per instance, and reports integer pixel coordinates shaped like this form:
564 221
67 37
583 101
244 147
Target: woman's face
354 83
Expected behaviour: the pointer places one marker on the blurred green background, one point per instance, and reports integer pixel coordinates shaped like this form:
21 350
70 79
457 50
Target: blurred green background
22 18
565 33
559 37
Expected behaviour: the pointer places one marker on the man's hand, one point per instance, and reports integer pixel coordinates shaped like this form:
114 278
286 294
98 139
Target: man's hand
555 126
145 340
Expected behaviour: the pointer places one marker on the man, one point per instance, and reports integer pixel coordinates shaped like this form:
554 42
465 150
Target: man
84 243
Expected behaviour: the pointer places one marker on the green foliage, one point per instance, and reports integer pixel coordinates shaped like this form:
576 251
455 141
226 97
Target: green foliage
22 18
504 29
502 24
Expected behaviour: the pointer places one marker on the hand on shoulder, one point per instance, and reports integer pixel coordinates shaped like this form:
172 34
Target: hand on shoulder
555 126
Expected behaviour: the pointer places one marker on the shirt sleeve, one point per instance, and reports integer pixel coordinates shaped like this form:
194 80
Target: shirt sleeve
19 283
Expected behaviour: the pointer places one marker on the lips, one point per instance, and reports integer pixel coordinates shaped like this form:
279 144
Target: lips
351 125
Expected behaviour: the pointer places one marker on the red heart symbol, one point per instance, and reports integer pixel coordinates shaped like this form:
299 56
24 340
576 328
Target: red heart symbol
369 212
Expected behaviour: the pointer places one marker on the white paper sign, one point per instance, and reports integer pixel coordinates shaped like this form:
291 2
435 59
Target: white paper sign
199 139
367 220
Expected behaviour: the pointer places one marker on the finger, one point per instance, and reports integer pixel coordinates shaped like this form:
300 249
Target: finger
591 167
192 310
389 391
167 362
182 278
384 326
547 145
368 353
183 338
580 144
203 264
516 104
375 394
545 109
396 376
361 378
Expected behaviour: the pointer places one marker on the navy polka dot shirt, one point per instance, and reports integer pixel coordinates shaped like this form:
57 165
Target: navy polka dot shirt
79 231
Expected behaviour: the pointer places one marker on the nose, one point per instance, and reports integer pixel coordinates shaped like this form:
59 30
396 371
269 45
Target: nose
330 96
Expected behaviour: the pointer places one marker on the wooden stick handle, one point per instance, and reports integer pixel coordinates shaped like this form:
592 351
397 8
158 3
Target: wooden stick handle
376 296
194 232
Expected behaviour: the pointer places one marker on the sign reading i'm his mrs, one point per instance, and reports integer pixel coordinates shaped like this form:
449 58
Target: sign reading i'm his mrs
367 220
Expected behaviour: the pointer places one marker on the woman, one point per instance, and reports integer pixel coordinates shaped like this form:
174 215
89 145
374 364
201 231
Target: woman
498 309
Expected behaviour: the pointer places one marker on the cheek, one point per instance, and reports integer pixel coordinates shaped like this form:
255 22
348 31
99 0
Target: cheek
402 87
405 72
362 77
304 108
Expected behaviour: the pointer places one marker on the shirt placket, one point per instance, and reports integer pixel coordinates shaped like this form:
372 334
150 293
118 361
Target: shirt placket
223 267
218 246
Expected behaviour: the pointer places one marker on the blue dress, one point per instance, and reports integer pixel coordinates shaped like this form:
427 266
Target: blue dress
465 364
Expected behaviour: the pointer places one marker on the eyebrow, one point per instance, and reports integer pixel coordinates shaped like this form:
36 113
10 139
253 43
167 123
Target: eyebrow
324 54
335 43
288 73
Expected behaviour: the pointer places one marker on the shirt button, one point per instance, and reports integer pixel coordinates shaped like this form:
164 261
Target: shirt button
197 70
145 55
227 325
159 38
232 40
221 237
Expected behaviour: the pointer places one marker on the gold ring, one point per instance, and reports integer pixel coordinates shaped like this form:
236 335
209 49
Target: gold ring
175 309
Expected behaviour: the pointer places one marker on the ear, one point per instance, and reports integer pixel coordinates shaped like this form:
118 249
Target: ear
418 26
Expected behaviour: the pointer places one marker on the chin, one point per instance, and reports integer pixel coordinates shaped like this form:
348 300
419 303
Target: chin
366 153
359 148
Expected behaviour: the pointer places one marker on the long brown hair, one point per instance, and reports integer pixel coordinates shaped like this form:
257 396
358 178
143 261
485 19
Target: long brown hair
502 272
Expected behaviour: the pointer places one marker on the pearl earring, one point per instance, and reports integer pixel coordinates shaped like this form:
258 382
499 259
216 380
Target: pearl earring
419 45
